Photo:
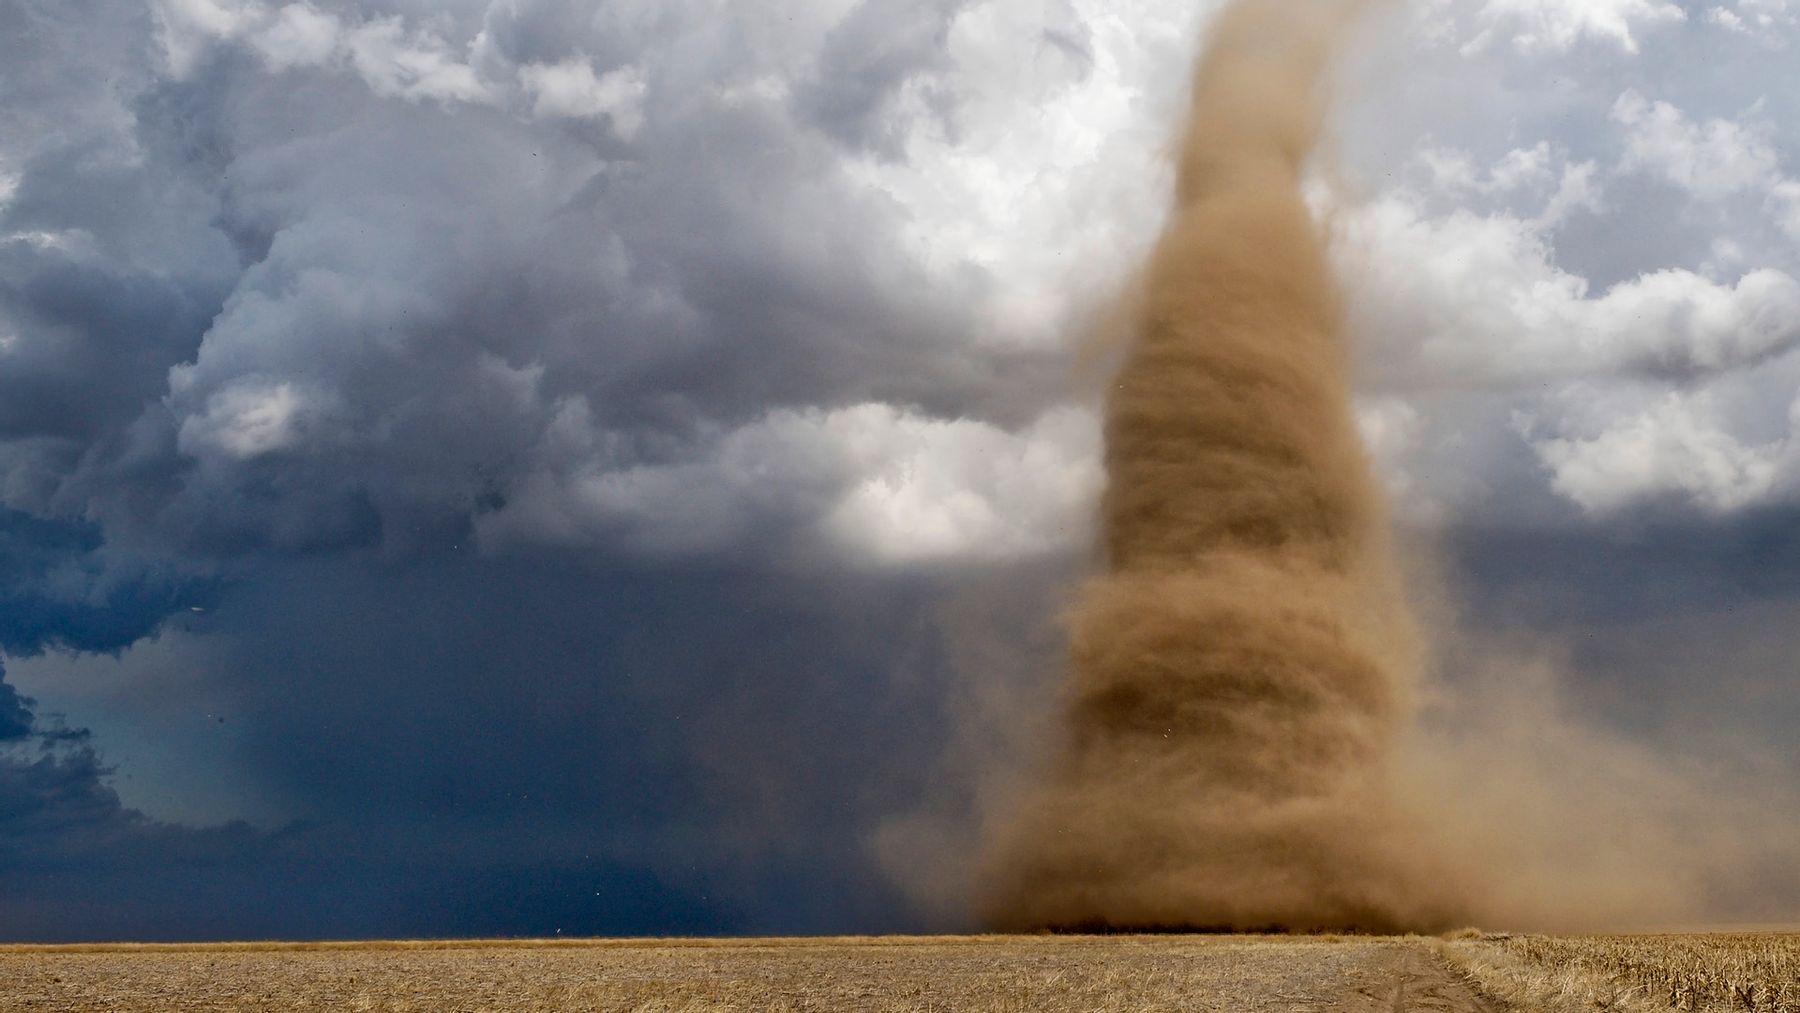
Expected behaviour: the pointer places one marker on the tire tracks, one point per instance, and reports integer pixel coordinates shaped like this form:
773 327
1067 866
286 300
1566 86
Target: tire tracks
1412 979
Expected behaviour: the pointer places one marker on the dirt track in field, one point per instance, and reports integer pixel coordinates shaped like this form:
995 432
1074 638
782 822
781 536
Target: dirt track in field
1240 974
1413 978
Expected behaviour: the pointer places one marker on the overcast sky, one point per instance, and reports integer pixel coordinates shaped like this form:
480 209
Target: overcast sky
509 466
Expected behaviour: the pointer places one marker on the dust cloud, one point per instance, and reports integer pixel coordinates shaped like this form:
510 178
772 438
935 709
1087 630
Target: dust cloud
1554 819
1243 670
1254 734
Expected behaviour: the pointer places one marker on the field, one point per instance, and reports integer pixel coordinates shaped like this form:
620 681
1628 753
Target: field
1242 974
1713 971
1029 973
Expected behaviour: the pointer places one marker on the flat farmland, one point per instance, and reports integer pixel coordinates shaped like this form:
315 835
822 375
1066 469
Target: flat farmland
1243 974
1468 973
1753 972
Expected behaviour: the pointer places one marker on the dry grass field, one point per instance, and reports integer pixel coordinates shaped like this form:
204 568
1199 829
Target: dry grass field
1699 972
1041 974
1472 973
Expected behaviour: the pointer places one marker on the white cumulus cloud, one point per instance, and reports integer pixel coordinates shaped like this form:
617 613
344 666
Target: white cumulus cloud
570 88
1712 160
1553 25
880 483
1677 446
1472 299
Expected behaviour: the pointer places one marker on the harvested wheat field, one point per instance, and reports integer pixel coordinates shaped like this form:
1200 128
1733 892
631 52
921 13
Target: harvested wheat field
1631 974
1243 974
1468 973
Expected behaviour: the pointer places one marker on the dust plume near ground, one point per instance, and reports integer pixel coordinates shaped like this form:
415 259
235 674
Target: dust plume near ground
1244 667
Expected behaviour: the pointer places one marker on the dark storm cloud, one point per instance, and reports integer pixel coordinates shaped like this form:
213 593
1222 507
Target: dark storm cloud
518 747
734 733
59 820
80 865
68 848
276 330
63 589
482 748
374 320
267 301
15 714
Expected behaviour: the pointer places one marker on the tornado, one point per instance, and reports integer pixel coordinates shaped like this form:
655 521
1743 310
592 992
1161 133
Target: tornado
1242 665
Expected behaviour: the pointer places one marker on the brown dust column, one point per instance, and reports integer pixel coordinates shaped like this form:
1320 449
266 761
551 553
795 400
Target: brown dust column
1242 669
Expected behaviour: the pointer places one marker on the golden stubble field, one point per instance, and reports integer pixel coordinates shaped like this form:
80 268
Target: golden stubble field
1245 974
1744 971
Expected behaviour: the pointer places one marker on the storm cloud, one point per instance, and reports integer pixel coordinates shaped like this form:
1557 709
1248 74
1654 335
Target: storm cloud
545 467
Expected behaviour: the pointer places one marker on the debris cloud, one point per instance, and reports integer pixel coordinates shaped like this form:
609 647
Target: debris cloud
1243 670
